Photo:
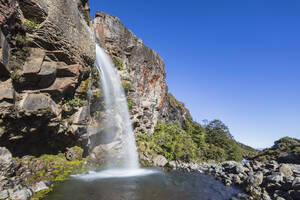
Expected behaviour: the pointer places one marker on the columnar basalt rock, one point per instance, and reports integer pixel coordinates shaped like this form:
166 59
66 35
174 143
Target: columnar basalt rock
47 51
143 71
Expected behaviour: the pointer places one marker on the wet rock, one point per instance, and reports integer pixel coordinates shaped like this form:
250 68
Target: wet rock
160 161
42 185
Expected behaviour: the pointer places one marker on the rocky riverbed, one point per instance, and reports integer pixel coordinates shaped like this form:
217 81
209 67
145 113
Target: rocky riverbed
266 181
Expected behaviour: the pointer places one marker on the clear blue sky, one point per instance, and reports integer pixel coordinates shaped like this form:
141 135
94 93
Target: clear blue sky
233 60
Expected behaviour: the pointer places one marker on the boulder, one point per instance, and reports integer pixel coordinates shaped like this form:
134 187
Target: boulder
285 170
20 193
64 70
39 102
275 177
7 95
32 66
256 179
160 161
42 185
62 87
74 153
296 183
6 162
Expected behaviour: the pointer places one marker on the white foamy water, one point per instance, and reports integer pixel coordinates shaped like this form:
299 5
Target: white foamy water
116 173
117 110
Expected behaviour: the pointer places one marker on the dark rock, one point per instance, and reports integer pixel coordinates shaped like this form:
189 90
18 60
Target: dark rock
275 177
32 66
39 102
34 10
295 194
296 183
47 74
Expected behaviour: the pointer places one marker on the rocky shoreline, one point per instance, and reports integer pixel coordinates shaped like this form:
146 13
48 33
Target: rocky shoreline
265 181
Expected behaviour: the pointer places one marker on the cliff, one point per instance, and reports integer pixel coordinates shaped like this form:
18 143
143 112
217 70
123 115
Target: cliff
46 65
143 74
47 50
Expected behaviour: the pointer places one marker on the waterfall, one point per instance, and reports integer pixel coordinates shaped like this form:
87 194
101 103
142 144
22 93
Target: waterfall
118 133
117 113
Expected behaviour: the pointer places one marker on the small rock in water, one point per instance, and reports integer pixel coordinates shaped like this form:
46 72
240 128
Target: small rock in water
42 185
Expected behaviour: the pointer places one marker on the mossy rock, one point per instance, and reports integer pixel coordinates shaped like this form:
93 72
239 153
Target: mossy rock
74 153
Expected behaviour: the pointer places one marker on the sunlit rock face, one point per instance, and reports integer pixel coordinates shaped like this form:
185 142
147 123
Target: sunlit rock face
47 50
143 75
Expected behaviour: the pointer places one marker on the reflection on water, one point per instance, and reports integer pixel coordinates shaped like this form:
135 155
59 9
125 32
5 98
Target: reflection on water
157 186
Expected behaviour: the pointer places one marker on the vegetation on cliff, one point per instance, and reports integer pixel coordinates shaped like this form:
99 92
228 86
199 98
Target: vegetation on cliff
193 142
284 150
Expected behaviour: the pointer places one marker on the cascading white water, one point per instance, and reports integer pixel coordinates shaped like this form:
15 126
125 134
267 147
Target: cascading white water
117 120
116 109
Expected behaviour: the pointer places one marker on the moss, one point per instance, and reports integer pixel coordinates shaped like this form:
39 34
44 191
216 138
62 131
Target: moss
76 102
85 85
30 25
118 63
97 94
126 85
40 194
129 103
53 168
16 76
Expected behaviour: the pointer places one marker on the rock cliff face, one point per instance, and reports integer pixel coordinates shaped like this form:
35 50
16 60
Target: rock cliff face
46 53
143 75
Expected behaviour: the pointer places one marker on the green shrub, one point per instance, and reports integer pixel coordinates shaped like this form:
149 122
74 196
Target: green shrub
126 85
118 62
76 102
129 103
193 143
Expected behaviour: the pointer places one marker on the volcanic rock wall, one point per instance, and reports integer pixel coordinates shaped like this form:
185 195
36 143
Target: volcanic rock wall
46 53
143 75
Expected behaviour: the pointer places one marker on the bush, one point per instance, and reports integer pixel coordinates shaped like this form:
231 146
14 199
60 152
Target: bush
118 62
193 143
126 85
170 141
129 103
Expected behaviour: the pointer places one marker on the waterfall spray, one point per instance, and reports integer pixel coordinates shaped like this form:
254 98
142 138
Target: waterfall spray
116 109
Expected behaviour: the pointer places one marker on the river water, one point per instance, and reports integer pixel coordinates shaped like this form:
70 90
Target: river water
175 185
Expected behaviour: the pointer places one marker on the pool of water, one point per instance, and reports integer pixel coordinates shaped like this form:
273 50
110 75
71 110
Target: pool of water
146 184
